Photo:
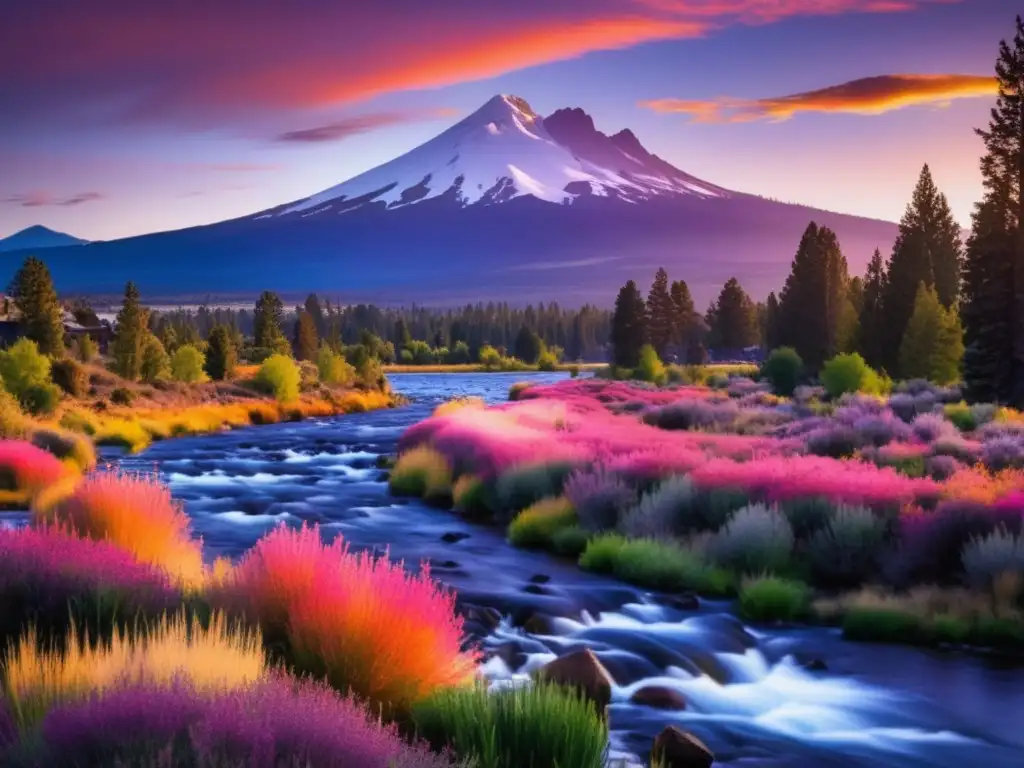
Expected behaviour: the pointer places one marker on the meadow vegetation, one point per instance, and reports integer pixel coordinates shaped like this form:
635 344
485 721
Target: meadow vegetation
796 506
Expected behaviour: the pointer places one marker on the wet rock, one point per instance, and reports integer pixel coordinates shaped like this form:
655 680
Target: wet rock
539 624
627 668
511 654
680 602
540 578
484 616
679 749
383 477
453 537
814 665
659 697
583 671
536 589
474 632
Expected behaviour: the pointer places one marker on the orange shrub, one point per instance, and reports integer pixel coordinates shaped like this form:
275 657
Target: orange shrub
136 513
368 625
979 485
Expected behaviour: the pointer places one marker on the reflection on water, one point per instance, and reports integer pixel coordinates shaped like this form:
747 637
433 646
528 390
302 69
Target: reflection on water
747 693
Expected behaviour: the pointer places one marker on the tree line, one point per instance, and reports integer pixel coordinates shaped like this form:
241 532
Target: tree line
935 308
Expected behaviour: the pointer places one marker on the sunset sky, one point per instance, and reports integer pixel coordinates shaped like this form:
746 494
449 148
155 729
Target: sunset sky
120 117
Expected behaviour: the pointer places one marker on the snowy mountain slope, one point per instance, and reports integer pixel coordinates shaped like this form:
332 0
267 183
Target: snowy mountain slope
504 205
504 150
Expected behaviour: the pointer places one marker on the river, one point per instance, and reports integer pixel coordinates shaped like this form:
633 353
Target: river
749 692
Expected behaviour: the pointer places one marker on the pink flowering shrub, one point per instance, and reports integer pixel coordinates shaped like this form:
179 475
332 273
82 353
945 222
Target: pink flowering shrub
367 624
44 571
276 721
27 469
776 479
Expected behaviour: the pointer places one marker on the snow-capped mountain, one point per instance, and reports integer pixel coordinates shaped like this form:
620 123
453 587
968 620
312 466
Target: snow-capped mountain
504 205
506 150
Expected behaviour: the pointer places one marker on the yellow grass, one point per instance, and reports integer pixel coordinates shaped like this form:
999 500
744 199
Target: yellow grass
214 658
458 403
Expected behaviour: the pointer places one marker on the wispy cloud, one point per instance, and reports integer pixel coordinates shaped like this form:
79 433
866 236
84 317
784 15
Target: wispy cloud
41 198
866 96
343 129
208 63
546 265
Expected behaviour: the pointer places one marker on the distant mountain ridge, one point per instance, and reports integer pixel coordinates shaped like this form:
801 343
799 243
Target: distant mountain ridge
503 205
38 236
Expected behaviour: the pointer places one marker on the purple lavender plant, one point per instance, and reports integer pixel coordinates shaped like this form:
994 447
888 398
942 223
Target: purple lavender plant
270 723
599 498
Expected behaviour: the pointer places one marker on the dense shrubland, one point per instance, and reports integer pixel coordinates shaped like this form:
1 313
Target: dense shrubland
151 387
123 647
773 500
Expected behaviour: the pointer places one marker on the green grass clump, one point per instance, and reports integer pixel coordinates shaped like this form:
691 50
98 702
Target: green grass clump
667 567
539 726
601 552
527 484
537 524
471 497
570 542
424 473
886 625
769 598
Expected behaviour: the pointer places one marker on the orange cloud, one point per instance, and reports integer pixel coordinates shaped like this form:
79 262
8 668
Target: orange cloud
867 96
216 62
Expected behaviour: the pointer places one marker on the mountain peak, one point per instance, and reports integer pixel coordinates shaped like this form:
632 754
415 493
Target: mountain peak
506 150
38 236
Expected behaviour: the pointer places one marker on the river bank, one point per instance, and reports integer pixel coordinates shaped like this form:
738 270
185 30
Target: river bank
755 696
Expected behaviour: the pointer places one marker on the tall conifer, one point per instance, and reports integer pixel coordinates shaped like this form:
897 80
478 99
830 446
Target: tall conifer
41 316
993 302
629 326
660 314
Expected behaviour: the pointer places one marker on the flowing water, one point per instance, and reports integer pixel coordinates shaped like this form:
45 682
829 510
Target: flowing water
750 694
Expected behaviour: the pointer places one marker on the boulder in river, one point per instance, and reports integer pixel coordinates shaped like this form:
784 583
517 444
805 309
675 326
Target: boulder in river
675 748
659 697
583 671
454 537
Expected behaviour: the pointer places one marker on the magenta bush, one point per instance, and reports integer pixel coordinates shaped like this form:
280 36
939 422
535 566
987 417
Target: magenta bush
273 722
777 479
44 571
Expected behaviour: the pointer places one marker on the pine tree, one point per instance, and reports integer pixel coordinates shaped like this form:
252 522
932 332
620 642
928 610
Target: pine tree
733 318
401 337
771 322
660 313
871 336
927 250
629 326
932 346
312 306
683 313
130 334
814 299
41 316
993 302
221 354
528 345
267 318
306 340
